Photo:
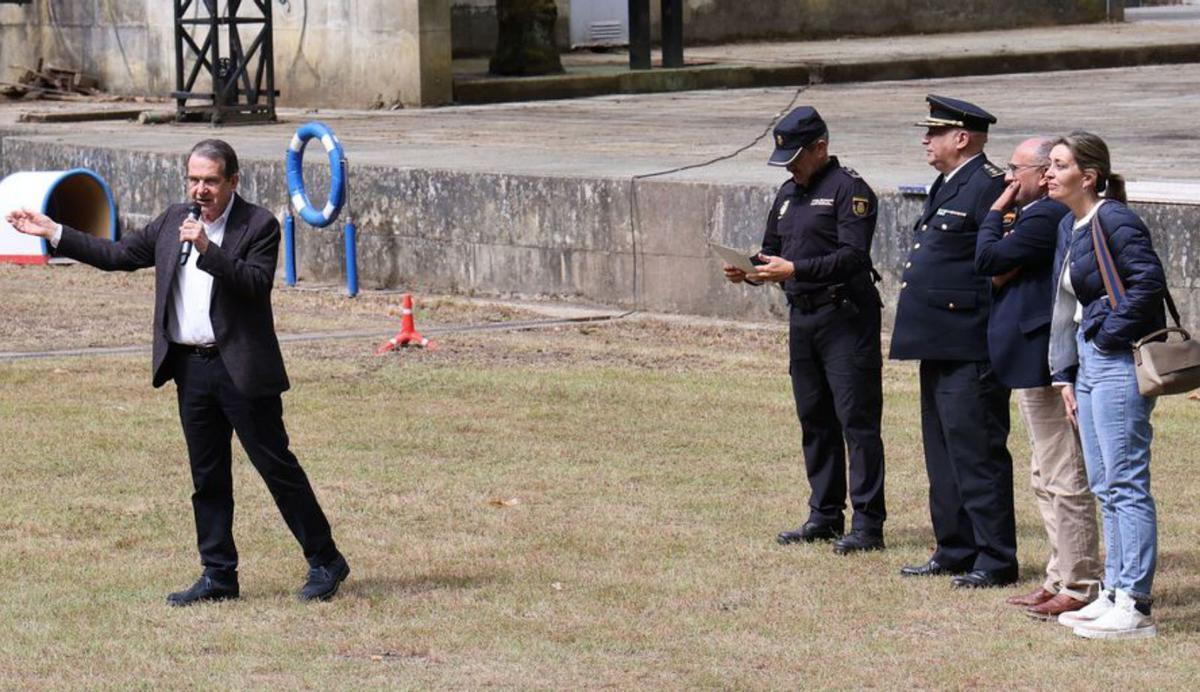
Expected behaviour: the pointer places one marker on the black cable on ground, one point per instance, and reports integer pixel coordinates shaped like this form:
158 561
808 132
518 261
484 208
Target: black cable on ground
635 217
635 220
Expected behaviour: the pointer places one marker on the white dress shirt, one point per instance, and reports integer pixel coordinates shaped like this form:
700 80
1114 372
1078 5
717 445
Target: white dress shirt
188 320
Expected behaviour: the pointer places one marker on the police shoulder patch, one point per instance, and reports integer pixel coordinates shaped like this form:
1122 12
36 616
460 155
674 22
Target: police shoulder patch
993 170
860 206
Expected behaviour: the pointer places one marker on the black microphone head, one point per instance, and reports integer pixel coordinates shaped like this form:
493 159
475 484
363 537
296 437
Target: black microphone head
194 210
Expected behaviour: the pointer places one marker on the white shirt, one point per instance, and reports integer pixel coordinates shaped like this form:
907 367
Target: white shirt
1066 275
188 320
951 173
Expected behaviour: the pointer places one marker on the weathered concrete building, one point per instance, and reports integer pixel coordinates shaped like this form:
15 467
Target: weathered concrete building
714 21
354 53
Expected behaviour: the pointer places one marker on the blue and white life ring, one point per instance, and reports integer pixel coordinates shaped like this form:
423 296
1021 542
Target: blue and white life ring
337 172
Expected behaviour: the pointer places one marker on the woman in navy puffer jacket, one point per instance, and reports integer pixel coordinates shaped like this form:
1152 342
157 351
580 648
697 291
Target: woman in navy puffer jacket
1092 359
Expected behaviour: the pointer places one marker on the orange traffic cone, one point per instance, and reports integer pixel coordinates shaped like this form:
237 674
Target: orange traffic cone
408 334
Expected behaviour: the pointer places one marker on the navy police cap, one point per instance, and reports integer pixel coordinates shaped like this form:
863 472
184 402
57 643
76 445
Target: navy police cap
798 129
948 112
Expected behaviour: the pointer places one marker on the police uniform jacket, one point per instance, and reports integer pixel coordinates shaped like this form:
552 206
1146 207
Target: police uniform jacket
1019 322
1141 310
824 229
943 306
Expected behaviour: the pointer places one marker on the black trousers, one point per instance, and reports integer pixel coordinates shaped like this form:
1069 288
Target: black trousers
211 410
964 427
836 369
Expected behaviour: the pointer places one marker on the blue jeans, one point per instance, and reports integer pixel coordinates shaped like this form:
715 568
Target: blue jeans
1114 427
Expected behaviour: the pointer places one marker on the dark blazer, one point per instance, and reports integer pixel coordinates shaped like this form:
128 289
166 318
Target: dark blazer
1019 323
942 310
243 270
1139 267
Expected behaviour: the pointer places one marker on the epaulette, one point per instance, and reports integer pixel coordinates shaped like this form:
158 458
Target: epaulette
852 173
993 170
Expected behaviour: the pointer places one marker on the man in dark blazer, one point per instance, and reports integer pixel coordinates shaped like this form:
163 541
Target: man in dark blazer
214 265
1016 248
941 320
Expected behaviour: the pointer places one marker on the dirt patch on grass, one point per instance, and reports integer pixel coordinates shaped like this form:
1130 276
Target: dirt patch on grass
74 306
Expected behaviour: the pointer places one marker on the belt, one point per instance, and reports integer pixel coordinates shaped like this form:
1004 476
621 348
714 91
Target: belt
807 302
194 350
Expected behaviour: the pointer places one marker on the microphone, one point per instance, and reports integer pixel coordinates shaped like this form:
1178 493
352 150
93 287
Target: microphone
193 214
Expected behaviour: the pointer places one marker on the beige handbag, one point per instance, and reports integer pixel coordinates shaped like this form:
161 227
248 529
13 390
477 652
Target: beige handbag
1162 366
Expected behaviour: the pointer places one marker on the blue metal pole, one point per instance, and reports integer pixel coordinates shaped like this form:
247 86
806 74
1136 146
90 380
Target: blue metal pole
289 250
351 258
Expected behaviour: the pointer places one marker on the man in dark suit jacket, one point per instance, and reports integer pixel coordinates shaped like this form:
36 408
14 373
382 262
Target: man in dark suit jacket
1016 248
941 320
214 264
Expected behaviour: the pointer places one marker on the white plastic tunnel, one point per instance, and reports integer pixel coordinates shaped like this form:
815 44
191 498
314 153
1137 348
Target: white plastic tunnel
78 198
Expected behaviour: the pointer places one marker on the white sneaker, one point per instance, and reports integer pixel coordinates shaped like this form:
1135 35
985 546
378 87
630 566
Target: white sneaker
1122 621
1090 612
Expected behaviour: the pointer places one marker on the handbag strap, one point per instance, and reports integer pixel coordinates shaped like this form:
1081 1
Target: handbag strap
1108 268
1112 280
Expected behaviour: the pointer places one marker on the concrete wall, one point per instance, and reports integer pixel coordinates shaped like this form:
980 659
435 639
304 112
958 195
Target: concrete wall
722 20
593 239
715 21
350 53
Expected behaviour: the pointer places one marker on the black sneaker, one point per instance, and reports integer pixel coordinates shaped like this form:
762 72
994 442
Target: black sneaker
323 581
205 589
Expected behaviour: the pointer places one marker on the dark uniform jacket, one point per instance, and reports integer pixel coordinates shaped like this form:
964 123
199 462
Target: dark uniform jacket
1141 271
243 269
825 229
943 306
1019 323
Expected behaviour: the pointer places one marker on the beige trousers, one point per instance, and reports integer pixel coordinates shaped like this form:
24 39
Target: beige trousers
1060 485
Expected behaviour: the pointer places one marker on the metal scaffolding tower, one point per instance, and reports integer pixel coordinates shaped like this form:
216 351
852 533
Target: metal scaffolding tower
217 78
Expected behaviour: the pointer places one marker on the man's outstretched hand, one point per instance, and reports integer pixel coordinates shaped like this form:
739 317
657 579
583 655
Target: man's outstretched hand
32 223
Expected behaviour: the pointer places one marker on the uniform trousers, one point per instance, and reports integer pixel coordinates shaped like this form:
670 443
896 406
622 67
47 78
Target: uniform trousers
211 409
1068 508
964 428
836 371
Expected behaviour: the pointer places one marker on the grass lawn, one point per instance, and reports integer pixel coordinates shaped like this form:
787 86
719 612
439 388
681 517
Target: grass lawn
592 506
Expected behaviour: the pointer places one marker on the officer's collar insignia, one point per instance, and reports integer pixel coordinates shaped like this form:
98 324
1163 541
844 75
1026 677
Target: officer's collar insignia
783 209
860 206
993 170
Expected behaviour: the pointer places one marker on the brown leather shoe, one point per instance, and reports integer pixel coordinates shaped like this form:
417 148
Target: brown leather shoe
1051 609
1032 598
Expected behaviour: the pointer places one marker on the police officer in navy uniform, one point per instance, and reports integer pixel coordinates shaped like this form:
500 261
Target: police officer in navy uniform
817 245
941 320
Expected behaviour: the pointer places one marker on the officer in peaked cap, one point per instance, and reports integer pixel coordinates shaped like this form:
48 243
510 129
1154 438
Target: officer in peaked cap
941 320
817 246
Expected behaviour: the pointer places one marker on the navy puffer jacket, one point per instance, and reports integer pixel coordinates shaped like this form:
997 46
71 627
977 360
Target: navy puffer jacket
1141 310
